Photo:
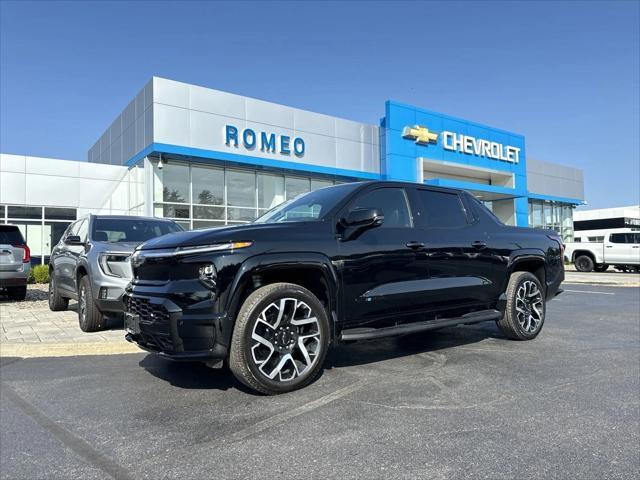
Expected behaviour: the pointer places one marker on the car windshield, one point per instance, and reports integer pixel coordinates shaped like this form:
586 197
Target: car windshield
130 230
308 207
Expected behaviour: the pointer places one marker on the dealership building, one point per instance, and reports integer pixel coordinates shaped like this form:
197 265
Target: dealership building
207 158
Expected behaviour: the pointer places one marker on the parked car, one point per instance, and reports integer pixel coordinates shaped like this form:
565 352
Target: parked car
349 262
620 249
91 264
15 258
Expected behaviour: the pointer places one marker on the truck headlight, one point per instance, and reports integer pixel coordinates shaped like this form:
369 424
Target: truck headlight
115 264
212 248
208 275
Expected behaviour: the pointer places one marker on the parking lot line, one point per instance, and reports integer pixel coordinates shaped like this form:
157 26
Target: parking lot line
588 291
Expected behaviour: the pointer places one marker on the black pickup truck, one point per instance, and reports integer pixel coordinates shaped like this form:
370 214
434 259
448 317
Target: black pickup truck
349 262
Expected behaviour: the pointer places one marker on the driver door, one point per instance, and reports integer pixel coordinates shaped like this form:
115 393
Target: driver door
382 270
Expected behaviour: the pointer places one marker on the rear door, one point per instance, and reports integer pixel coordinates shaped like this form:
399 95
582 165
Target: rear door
618 248
11 249
457 250
381 271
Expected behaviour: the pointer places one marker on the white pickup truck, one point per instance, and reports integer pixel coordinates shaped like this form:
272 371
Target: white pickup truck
620 249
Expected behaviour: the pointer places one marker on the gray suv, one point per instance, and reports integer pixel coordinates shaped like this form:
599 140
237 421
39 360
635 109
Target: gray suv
91 264
14 262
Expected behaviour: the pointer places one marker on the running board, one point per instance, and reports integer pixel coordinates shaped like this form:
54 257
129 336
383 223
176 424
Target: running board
368 333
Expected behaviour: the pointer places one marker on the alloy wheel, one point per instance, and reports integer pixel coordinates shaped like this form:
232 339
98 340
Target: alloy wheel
286 340
82 304
529 307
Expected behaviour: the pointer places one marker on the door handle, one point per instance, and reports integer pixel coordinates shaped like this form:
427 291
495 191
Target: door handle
479 244
414 245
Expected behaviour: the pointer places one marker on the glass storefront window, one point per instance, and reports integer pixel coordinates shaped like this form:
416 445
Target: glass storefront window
316 184
172 183
296 186
172 211
200 224
202 196
208 186
241 188
209 213
537 218
270 190
24 212
51 213
241 214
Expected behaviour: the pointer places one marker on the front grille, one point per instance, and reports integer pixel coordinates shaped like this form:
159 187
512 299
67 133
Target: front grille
165 269
155 323
147 311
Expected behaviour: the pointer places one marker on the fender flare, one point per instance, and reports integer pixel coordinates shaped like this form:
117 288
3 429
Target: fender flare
277 261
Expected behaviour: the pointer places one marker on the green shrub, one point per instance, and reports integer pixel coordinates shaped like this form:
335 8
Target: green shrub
39 274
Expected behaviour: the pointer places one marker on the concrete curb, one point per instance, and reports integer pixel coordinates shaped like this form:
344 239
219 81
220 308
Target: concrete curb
31 350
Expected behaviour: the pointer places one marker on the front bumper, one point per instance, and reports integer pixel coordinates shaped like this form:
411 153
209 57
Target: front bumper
182 333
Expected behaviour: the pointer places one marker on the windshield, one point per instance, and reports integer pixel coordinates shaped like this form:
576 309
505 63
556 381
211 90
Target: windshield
130 230
308 207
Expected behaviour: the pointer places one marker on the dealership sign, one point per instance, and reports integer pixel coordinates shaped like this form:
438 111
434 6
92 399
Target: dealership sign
463 143
264 141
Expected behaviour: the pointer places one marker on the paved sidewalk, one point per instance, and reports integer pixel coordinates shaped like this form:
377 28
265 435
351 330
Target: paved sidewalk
611 277
31 321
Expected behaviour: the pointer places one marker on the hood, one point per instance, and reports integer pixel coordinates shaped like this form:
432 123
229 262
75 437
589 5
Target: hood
235 233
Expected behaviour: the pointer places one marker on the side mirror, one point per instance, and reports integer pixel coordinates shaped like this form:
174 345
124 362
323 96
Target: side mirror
73 240
359 220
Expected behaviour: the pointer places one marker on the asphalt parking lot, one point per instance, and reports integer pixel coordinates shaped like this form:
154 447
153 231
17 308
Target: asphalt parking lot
462 402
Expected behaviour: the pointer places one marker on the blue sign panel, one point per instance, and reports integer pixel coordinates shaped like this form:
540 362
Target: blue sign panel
412 135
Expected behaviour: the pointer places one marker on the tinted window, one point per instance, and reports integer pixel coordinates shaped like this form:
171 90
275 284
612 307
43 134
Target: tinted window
10 235
130 230
618 238
440 209
392 202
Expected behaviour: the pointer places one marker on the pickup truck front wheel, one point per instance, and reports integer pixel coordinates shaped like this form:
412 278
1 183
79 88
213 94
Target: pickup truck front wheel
280 339
525 310
584 263
89 317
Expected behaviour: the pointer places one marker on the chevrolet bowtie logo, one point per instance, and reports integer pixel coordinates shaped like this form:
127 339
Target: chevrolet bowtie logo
421 135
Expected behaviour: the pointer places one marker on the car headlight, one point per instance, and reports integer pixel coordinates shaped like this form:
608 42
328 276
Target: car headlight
212 248
115 264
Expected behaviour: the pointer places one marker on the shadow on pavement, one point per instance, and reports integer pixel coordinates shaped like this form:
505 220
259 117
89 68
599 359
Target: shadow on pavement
191 375
195 375
372 351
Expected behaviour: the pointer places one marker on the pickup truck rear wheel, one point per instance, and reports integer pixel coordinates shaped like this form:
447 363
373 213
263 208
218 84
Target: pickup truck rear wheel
280 339
584 263
57 303
525 310
89 317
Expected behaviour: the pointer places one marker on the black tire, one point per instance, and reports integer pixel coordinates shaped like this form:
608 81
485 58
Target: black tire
584 263
89 317
57 303
514 322
242 357
17 293
601 268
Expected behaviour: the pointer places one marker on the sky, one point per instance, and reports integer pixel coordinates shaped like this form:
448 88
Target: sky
564 74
